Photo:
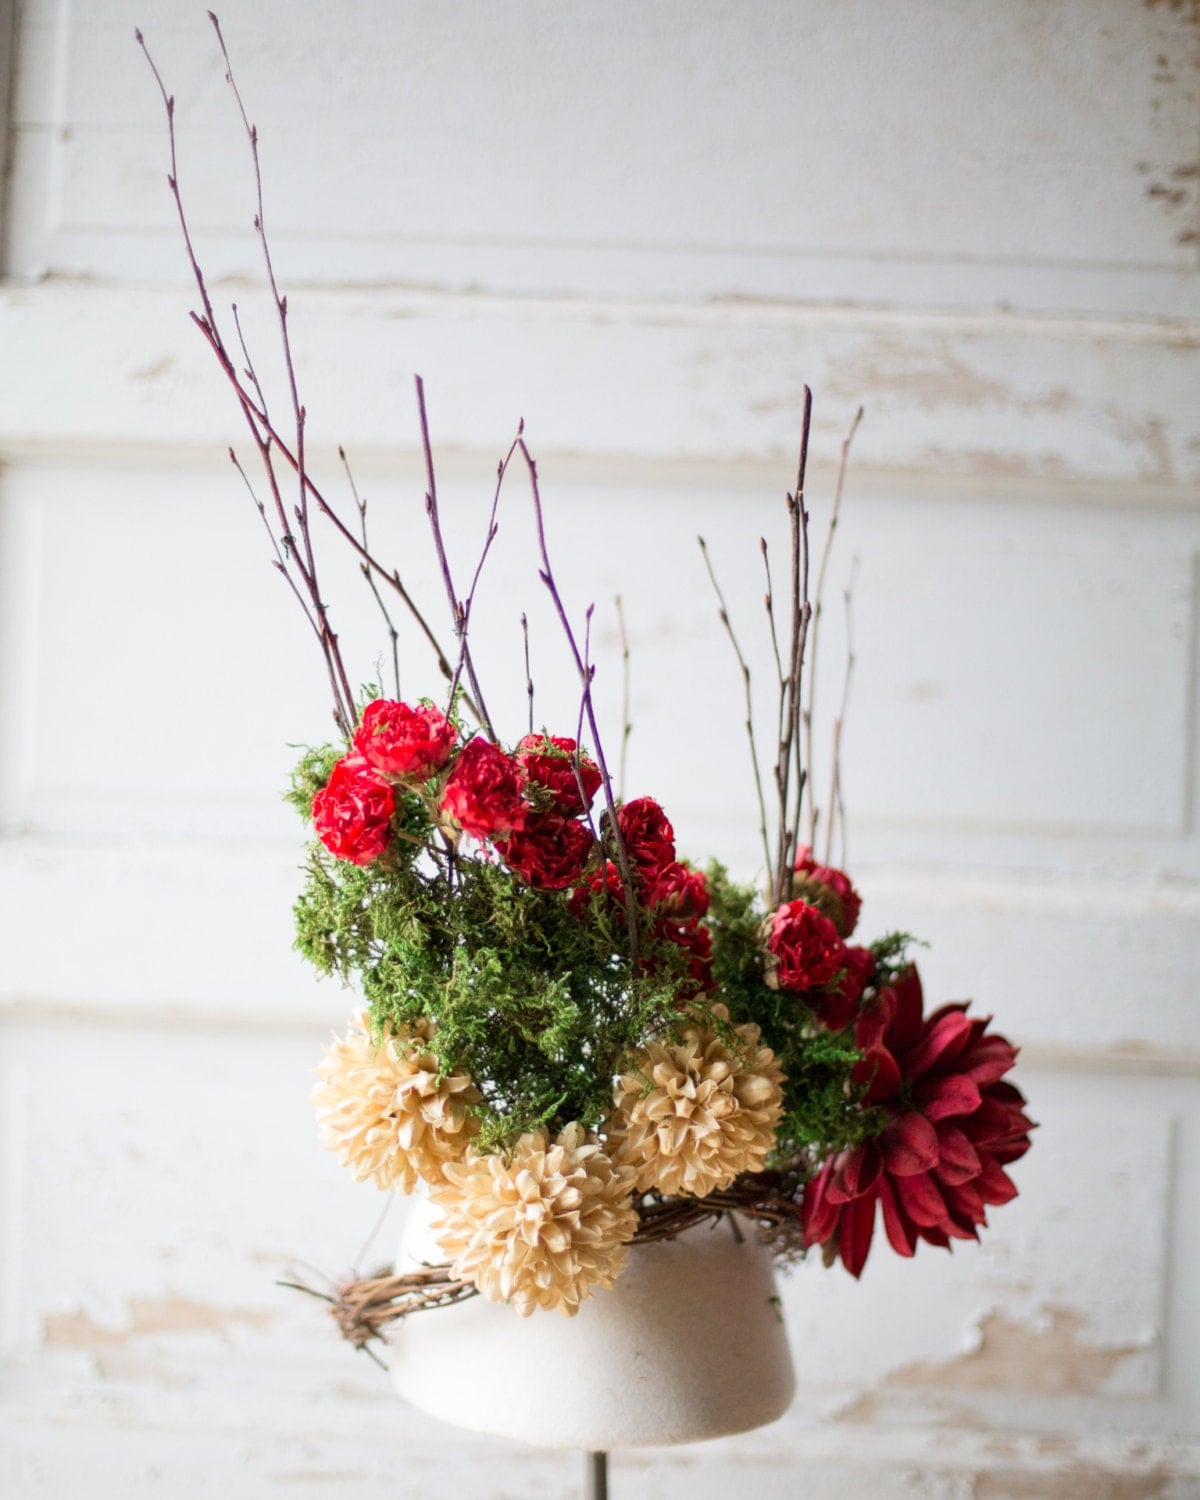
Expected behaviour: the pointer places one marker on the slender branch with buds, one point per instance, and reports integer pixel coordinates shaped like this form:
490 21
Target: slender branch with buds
723 614
626 720
289 526
810 704
790 762
546 574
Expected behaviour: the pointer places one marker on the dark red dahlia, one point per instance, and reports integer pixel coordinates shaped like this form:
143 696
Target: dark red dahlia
952 1127
549 852
830 890
549 762
485 791
803 947
399 740
352 813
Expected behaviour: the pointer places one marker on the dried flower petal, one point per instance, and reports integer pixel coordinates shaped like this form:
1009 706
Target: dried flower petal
696 1112
382 1108
540 1227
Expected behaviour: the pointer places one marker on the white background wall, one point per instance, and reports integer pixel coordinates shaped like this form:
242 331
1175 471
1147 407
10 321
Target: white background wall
643 228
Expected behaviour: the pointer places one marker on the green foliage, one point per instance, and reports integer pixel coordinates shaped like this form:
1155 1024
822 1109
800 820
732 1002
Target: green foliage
536 998
891 955
311 773
536 1002
822 1111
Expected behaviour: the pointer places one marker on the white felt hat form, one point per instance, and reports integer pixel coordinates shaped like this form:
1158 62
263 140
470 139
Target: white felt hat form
688 1344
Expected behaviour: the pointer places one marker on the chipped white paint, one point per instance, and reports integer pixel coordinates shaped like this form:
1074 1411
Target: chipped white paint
642 237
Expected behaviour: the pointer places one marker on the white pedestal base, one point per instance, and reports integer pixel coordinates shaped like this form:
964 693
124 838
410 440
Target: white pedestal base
688 1344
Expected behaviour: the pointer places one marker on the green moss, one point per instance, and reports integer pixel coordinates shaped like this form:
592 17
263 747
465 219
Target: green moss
822 1110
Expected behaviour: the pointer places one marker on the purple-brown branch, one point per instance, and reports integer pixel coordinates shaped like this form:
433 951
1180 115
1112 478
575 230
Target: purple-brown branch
810 705
546 574
790 761
295 545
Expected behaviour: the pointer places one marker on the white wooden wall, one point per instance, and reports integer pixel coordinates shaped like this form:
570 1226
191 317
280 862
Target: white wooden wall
643 228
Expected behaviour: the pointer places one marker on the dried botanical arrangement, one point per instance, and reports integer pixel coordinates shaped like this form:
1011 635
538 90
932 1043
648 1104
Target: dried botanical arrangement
573 1039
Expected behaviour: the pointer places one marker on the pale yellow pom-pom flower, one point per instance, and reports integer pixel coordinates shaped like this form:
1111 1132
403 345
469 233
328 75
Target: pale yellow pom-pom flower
540 1227
694 1113
383 1110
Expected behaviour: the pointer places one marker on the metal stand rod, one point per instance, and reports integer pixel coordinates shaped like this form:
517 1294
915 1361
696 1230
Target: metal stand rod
596 1485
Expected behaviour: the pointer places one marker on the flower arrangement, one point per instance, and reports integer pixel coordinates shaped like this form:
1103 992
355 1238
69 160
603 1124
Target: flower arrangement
572 1038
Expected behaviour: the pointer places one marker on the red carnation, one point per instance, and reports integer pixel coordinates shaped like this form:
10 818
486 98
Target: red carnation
829 889
952 1128
681 890
803 947
399 740
696 941
648 836
549 852
549 762
485 791
593 883
352 813
837 1005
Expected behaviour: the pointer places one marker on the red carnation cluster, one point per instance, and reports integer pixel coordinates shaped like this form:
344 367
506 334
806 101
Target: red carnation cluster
485 792
674 896
352 813
549 852
803 946
953 1126
806 949
398 740
549 761
829 890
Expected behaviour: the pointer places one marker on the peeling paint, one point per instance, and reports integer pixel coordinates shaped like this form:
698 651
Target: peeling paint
154 371
929 378
1079 1482
1188 10
147 1316
1013 1356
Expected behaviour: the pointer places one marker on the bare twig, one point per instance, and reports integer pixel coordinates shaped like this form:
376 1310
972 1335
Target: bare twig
546 574
837 806
270 442
626 720
723 614
790 763
458 608
528 670
365 1308
360 502
810 705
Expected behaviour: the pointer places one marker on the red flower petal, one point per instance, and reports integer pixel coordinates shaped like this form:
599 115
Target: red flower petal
818 1217
989 1060
945 1038
920 1199
854 1233
909 1145
901 1231
995 1184
879 1071
907 1004
946 1097
964 1208
855 1173
958 1160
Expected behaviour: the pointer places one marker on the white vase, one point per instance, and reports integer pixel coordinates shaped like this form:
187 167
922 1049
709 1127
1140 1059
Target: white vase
688 1344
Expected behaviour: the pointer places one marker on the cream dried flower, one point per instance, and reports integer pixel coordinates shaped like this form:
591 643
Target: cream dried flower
382 1108
696 1112
540 1227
